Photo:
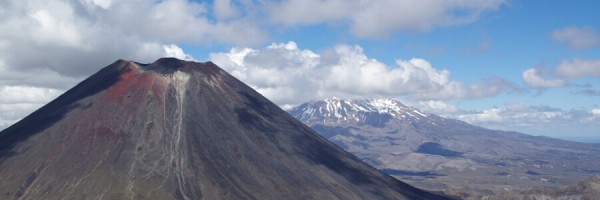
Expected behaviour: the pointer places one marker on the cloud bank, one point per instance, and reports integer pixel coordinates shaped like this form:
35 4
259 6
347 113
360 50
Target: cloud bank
16 101
578 68
537 78
380 18
73 38
577 38
52 45
540 78
49 46
70 39
537 120
287 74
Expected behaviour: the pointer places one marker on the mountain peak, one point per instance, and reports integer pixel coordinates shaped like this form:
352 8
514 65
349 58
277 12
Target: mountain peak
170 65
336 110
176 129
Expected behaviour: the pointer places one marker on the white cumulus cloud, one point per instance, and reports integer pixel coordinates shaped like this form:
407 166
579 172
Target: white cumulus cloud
105 4
437 107
224 9
564 73
17 101
26 94
377 18
578 68
175 51
47 47
489 115
577 37
287 74
76 38
536 78
537 120
55 31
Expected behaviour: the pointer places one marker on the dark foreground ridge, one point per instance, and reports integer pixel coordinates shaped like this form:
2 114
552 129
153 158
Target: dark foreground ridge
176 129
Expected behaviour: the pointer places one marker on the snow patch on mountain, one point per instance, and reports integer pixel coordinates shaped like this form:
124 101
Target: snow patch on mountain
336 110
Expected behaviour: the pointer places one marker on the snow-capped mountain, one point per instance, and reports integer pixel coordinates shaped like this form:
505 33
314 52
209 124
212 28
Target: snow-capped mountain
438 153
374 112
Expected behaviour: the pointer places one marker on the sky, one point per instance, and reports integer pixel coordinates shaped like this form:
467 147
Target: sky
528 66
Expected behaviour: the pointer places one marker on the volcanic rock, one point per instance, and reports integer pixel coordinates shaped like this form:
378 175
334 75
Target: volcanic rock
176 129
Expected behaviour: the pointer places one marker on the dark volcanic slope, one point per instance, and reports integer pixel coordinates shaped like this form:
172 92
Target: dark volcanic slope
177 130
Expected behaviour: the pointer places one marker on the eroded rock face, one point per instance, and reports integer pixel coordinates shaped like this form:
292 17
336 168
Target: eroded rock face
177 130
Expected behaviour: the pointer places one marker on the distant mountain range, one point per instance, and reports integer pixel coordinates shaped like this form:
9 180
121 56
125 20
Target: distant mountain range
582 139
437 153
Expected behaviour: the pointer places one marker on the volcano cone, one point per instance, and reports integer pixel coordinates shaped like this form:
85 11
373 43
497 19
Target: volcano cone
176 129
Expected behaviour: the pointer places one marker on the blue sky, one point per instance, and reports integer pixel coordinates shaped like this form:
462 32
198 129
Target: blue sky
528 66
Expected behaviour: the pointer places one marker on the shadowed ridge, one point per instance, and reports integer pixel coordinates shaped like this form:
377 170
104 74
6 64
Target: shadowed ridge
326 155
